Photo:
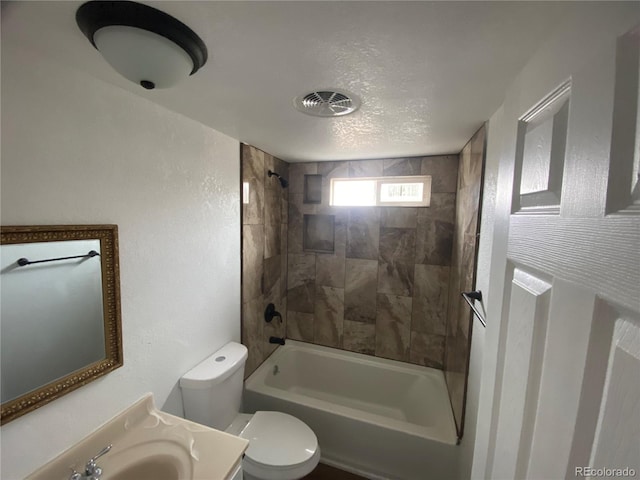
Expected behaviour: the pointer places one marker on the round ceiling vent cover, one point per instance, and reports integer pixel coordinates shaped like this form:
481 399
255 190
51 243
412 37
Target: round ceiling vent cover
327 103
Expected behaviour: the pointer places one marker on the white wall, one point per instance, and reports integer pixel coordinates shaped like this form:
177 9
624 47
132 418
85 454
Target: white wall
76 150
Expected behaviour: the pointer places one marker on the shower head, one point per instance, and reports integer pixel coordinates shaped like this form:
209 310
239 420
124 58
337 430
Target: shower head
283 181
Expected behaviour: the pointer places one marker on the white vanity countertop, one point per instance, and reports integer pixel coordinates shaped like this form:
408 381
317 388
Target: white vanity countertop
144 437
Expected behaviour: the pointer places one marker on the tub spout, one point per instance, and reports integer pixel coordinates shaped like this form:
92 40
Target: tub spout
278 340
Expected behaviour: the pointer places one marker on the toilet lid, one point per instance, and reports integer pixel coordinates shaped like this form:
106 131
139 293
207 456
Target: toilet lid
279 440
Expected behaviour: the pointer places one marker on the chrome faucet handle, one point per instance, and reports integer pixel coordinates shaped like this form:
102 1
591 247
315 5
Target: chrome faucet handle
92 471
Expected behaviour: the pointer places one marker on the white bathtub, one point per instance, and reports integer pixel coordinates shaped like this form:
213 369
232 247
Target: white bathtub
379 418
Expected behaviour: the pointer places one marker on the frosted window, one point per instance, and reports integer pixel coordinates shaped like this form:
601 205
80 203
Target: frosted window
353 193
412 191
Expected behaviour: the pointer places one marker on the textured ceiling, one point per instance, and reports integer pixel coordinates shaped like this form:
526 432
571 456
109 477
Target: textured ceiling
428 73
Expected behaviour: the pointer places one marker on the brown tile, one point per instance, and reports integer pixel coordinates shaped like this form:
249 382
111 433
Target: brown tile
396 278
430 299
283 260
281 167
456 303
297 199
434 241
399 217
477 146
253 173
455 354
469 183
302 298
329 316
393 323
402 166
330 270
312 189
252 261
442 207
330 170
365 168
284 209
272 206
272 274
444 172
359 337
252 333
318 233
294 230
467 210
468 262
361 277
427 350
363 233
272 240
434 235
297 171
397 245
300 326
301 271
341 235
471 169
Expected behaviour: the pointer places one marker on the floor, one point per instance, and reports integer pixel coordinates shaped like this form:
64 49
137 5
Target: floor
325 472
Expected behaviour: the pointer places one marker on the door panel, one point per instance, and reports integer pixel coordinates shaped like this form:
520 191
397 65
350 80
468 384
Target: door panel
540 153
529 309
619 420
565 352
623 194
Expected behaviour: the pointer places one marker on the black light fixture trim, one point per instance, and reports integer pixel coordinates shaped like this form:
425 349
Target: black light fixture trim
94 15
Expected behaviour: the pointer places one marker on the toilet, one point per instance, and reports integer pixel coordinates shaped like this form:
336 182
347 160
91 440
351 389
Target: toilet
281 447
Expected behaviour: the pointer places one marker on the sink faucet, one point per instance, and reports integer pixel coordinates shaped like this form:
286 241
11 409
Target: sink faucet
91 470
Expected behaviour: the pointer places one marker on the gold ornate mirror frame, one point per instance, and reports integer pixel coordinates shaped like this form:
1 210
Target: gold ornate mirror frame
108 236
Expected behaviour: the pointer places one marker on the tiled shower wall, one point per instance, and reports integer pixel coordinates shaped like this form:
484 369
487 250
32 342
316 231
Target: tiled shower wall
264 253
459 319
384 290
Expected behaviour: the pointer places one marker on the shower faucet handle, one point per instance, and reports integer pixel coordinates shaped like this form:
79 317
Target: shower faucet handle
270 312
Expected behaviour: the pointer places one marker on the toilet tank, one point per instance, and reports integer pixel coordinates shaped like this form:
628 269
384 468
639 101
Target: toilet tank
212 390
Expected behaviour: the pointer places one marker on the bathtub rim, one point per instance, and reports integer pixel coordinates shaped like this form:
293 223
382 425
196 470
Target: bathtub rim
256 384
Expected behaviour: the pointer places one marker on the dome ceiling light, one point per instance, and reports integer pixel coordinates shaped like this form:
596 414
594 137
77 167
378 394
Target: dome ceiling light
143 44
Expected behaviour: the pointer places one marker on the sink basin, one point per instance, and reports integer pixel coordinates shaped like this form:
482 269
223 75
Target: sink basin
150 444
160 467
153 460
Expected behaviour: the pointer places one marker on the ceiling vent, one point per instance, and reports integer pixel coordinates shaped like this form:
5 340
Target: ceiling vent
327 103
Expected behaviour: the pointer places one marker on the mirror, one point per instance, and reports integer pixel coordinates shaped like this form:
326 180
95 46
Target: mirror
60 322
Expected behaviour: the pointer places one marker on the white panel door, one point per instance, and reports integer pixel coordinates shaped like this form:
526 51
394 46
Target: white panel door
564 314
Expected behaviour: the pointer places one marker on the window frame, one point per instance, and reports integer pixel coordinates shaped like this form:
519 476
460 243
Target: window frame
379 182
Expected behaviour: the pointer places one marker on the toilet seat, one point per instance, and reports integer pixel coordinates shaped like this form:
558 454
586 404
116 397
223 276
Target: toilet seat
281 447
